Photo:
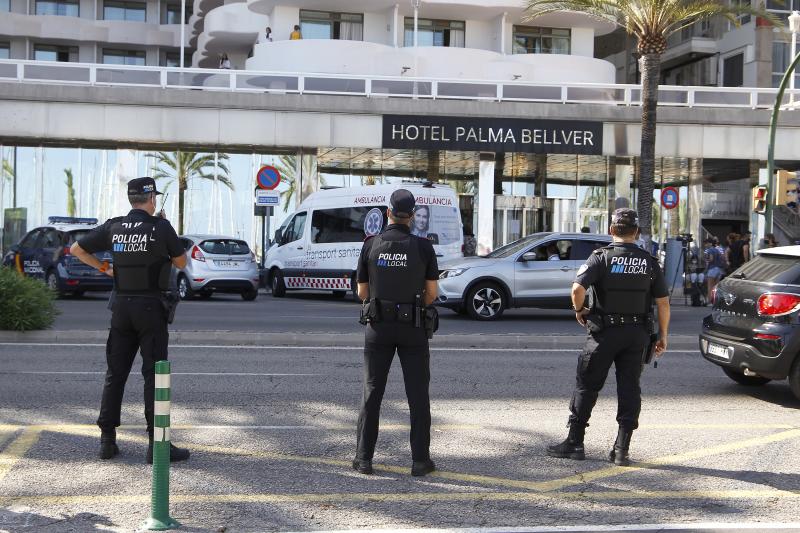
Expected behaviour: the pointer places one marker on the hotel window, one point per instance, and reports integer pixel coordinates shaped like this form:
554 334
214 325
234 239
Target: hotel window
131 11
123 57
780 62
783 8
173 14
4 51
434 32
173 59
5 5
741 19
63 54
66 8
733 71
531 40
324 25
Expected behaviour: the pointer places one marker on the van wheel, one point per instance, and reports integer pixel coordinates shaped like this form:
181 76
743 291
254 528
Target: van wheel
278 286
184 288
485 301
794 378
741 379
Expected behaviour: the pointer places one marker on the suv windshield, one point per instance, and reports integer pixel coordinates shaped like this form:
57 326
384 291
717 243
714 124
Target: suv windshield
516 246
770 268
224 247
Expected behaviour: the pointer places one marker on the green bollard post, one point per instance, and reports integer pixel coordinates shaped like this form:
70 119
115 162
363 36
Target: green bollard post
159 509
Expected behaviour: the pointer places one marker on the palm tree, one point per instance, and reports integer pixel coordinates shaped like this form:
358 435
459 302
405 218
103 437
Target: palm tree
287 166
6 170
70 192
651 22
182 167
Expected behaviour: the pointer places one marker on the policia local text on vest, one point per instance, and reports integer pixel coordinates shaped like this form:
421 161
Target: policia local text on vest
625 281
144 248
397 280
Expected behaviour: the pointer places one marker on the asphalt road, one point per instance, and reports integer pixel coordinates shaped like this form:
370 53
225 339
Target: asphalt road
272 431
321 313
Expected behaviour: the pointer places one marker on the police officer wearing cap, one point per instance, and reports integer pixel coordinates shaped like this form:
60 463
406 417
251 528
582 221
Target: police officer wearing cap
397 279
144 249
625 280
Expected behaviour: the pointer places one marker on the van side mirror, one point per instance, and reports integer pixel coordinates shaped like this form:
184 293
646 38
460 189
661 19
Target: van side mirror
278 236
529 256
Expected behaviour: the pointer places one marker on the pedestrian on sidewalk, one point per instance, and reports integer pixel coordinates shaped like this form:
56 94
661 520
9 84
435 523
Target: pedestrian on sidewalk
144 248
624 280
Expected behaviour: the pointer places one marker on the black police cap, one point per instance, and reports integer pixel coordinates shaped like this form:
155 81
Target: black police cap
403 203
625 216
142 186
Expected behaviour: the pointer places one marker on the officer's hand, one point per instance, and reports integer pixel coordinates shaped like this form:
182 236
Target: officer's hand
162 214
661 347
580 316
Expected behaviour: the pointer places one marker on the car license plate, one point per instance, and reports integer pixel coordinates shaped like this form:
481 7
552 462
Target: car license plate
227 264
719 351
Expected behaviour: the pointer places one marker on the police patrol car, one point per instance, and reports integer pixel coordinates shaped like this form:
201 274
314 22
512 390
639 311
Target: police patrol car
43 253
317 247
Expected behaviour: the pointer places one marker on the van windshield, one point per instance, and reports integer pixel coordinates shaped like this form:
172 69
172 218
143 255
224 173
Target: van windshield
347 224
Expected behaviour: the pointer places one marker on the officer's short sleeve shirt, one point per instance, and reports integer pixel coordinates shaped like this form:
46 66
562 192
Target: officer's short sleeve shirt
591 271
429 256
166 234
362 275
658 287
98 239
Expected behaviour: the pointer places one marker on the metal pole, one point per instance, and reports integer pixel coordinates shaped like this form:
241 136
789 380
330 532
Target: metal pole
416 26
264 237
792 80
773 127
159 501
183 29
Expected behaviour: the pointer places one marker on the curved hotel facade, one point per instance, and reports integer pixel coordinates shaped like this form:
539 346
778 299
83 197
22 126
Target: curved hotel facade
522 117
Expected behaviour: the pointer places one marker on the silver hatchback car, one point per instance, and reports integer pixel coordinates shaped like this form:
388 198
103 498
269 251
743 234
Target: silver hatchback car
216 263
536 271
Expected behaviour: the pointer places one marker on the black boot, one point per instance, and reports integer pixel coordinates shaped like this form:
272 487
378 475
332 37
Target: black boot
619 453
108 443
175 454
421 468
572 447
362 466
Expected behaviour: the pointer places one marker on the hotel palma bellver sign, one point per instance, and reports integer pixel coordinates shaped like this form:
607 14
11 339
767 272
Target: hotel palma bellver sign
493 134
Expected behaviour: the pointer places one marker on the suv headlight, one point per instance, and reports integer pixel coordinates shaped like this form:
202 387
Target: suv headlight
451 273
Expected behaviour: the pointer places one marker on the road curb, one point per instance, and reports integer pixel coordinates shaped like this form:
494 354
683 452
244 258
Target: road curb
241 338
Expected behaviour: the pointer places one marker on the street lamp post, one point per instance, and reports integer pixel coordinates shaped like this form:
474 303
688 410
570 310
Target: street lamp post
794 27
788 80
183 29
416 4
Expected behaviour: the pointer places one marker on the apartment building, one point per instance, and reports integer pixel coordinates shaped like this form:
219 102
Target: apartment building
123 32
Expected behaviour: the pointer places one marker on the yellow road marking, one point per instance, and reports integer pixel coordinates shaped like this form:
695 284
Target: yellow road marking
87 500
594 475
17 449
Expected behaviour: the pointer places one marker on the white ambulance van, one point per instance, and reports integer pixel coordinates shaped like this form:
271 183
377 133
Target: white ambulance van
317 247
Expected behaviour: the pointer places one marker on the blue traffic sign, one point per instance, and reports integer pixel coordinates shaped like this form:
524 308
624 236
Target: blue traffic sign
268 177
670 197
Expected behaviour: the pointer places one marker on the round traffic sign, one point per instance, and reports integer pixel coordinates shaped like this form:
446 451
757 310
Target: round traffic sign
373 223
670 197
268 177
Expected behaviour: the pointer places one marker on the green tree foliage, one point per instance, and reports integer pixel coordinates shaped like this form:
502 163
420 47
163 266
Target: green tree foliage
27 303
70 192
183 167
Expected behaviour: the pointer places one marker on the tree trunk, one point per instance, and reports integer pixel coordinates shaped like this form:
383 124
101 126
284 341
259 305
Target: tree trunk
181 196
651 66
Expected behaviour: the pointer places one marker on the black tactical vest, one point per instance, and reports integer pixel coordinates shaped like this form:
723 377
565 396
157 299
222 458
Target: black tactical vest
625 288
396 271
141 263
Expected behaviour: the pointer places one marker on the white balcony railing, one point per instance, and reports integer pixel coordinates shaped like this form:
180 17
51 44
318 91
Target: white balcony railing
247 81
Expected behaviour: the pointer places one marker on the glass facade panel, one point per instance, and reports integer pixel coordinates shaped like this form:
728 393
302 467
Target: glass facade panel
325 25
781 55
5 5
123 57
173 14
131 11
434 32
64 54
532 40
67 8
5 51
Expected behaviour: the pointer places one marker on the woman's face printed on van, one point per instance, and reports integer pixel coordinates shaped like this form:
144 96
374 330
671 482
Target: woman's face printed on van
421 218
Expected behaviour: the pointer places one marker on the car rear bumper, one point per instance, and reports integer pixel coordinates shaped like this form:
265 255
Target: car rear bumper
741 356
226 284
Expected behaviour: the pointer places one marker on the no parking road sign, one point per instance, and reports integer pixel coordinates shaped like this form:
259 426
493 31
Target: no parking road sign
268 177
670 197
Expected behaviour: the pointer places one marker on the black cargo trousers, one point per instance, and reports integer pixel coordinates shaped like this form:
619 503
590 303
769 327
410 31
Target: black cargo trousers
137 322
411 345
622 346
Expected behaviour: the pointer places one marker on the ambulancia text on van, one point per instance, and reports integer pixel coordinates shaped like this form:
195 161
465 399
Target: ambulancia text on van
317 247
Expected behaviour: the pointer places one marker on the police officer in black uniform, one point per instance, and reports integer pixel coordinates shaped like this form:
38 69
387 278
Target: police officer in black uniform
625 280
397 276
144 248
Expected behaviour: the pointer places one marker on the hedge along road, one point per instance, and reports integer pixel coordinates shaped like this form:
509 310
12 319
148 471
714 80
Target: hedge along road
272 433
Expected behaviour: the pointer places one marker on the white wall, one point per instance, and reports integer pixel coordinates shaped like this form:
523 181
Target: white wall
377 28
480 34
582 43
283 20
